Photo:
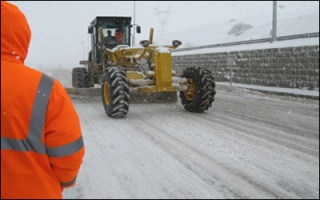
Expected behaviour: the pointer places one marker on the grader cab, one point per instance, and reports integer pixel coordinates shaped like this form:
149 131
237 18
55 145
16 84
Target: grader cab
123 70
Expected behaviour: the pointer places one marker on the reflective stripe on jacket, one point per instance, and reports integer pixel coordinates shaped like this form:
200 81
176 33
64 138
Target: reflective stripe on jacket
33 141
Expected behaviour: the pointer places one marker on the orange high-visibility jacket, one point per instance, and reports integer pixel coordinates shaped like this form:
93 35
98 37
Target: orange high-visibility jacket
41 142
119 37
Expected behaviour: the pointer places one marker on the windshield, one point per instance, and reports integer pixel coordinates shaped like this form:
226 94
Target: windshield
119 33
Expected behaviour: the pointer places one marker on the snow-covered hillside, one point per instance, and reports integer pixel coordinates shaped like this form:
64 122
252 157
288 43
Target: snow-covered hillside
242 29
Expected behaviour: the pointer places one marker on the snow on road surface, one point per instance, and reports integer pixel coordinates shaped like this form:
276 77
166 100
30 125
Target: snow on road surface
248 145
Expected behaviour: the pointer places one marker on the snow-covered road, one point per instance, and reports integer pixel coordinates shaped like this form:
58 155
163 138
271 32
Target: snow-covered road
248 145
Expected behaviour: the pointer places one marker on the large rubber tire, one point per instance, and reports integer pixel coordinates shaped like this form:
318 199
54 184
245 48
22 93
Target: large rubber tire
201 90
80 77
115 92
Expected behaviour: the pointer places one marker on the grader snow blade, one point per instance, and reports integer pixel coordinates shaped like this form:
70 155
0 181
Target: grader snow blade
137 74
135 98
84 91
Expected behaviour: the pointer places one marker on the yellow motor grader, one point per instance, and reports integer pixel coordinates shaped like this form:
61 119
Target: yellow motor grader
123 70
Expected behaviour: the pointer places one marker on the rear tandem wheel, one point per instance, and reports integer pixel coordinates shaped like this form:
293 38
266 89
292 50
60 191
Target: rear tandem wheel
80 77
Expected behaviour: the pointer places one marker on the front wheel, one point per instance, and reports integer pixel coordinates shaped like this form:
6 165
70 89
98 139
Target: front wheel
201 90
115 92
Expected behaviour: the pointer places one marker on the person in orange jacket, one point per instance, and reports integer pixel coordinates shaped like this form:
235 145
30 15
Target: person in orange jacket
42 146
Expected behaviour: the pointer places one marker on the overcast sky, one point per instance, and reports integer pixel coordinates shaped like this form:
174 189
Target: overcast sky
59 28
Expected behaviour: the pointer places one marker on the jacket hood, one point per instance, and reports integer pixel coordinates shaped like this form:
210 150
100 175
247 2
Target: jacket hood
15 33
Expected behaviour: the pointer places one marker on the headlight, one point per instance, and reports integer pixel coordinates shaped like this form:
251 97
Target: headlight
176 43
144 43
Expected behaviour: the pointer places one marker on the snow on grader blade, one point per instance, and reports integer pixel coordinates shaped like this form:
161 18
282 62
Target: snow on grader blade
135 98
137 74
84 91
